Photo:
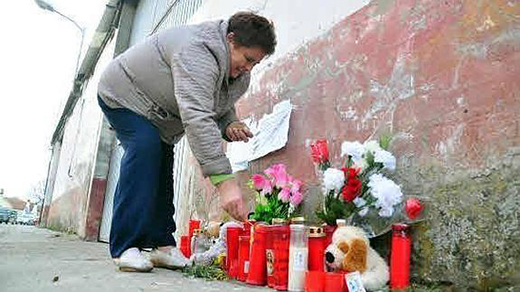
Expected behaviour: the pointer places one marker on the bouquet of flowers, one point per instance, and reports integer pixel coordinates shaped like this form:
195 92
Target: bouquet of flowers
278 193
361 185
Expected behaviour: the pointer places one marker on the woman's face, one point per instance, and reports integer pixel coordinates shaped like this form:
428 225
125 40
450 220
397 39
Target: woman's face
243 58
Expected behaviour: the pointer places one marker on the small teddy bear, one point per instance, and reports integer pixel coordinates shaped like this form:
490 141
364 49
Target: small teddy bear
350 251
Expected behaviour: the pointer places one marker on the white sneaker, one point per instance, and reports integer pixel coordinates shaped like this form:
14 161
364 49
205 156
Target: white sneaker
132 260
172 260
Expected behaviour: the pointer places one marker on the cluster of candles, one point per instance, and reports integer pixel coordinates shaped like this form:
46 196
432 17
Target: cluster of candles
290 256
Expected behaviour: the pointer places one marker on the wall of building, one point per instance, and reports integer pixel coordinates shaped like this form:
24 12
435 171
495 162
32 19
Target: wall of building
68 208
293 29
49 184
442 78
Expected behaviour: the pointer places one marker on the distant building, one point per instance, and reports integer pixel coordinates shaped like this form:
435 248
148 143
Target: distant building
16 204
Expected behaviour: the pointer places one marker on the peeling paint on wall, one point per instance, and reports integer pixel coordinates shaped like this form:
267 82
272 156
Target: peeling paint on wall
442 78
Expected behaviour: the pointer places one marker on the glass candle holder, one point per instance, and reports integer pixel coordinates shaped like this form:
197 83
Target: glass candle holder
193 242
314 281
281 243
335 282
329 231
257 262
243 257
193 224
298 255
400 256
185 245
316 249
232 234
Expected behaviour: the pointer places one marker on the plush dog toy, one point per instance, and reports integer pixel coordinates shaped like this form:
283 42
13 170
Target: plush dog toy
350 251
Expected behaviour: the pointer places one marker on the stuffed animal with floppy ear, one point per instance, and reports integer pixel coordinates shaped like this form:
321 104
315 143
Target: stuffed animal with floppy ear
350 251
213 229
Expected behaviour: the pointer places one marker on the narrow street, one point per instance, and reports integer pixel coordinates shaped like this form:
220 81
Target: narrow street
35 259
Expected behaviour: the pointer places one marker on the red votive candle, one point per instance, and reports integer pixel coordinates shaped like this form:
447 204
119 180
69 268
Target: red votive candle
400 256
315 281
335 282
243 257
184 245
248 224
232 234
269 249
269 255
193 224
329 230
281 243
316 249
257 263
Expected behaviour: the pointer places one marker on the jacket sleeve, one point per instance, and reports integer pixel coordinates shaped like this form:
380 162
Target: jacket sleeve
229 117
195 74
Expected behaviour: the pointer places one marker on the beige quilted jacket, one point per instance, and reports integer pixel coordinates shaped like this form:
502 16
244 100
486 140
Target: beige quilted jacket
178 79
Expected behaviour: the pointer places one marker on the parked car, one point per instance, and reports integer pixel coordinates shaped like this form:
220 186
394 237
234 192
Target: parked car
13 217
25 219
5 215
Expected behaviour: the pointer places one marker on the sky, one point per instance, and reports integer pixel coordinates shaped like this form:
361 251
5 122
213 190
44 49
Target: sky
38 51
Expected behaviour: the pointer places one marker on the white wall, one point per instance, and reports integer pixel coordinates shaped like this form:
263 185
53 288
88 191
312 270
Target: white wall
78 154
296 22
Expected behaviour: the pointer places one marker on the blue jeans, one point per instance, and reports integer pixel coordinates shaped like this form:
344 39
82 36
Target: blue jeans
143 201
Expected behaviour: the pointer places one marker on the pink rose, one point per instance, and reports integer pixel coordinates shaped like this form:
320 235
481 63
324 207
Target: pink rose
284 195
296 184
296 199
279 174
262 184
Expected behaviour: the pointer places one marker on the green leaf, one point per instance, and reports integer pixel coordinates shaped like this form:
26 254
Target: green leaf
211 272
384 141
349 162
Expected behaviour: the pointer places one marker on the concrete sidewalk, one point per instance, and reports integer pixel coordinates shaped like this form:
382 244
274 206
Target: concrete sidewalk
35 259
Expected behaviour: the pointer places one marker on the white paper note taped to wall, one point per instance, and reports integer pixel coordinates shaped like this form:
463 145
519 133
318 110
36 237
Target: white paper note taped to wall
270 134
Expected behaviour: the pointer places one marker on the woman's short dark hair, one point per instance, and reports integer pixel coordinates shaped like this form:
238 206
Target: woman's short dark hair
253 30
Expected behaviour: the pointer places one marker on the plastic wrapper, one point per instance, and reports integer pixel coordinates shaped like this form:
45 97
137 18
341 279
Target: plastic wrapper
375 225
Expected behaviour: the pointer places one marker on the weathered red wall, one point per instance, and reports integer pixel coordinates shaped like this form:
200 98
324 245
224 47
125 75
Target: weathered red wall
65 212
443 77
95 209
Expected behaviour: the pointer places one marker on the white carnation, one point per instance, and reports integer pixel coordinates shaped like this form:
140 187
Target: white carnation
387 193
386 158
354 149
333 179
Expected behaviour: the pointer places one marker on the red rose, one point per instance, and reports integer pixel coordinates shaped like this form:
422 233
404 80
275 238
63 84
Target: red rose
320 151
352 189
350 172
413 207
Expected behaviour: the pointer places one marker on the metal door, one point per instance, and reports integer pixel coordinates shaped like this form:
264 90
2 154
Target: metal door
113 177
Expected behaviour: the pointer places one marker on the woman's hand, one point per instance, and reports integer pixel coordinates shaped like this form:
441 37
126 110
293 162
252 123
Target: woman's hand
231 199
238 131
